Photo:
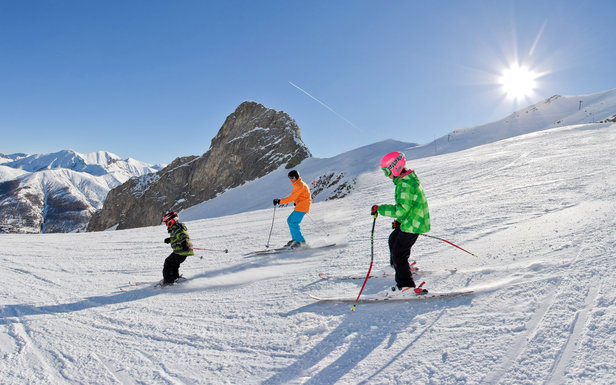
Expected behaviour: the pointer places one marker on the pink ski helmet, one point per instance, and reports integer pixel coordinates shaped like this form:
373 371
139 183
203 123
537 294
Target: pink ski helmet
393 163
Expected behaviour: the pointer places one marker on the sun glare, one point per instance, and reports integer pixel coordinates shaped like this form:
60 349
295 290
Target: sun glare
518 82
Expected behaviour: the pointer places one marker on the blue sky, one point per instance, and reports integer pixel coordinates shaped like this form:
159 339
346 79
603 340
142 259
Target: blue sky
155 80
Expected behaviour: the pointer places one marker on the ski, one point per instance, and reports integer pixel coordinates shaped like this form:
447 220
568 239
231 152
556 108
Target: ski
132 284
380 274
145 284
342 277
178 281
282 250
137 283
394 296
385 273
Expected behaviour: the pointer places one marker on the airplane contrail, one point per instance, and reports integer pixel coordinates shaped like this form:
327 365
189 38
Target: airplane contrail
324 105
532 49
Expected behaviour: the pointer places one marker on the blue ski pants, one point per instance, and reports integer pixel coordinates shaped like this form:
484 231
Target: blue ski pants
294 220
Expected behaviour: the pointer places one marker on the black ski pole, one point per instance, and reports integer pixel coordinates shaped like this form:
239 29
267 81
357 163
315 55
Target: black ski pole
271 228
371 262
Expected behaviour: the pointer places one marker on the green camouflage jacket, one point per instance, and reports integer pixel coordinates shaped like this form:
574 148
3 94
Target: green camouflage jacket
180 241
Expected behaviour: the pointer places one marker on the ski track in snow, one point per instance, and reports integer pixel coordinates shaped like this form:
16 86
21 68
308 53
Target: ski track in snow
538 211
559 319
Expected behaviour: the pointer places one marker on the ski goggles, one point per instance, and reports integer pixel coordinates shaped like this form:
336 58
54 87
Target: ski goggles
388 170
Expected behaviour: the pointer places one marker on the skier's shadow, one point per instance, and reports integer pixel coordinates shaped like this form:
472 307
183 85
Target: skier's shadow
9 311
360 333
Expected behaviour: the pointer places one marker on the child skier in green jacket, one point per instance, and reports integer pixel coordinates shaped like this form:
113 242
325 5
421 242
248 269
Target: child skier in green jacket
411 216
181 245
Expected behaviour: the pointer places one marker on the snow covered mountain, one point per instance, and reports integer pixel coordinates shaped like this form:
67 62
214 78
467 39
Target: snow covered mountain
252 142
67 187
341 172
5 158
58 192
556 111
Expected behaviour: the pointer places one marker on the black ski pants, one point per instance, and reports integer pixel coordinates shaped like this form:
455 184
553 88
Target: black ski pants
400 244
171 268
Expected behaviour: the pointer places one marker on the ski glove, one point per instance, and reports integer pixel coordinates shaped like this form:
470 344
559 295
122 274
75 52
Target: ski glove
276 202
167 240
375 210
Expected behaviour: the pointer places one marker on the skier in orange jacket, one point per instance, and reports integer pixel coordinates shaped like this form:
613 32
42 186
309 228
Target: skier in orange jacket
303 199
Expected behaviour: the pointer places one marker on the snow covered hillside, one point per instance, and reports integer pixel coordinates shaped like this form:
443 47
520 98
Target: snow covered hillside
58 192
537 209
341 172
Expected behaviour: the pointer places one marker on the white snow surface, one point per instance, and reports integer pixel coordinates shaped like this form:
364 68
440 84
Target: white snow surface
537 209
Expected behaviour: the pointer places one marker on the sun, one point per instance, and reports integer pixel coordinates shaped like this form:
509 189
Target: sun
518 82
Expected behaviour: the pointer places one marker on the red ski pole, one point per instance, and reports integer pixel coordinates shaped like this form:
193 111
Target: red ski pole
371 262
452 244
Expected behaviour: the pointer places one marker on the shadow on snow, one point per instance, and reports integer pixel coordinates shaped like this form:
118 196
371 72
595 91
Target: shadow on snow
360 333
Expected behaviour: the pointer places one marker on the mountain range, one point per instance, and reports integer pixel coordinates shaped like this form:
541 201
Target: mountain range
61 192
58 192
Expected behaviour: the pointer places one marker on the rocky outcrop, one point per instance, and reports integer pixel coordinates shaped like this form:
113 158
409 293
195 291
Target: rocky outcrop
252 142
332 186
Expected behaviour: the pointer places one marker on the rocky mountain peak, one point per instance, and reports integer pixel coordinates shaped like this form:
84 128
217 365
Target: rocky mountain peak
250 116
252 142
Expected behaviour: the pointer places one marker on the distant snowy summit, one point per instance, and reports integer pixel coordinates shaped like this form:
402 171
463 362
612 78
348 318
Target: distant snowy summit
58 192
96 163
252 142
11 157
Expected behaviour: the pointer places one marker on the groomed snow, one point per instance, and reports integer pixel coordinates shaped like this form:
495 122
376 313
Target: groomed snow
537 209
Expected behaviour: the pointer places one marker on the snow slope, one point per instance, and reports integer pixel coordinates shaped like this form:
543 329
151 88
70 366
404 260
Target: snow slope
537 209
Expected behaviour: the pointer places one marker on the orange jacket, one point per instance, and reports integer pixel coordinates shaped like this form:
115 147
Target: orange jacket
300 195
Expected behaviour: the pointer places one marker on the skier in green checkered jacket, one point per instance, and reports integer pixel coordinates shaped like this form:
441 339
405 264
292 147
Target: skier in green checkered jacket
411 216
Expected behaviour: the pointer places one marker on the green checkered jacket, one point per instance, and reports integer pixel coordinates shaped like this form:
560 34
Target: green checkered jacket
411 208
